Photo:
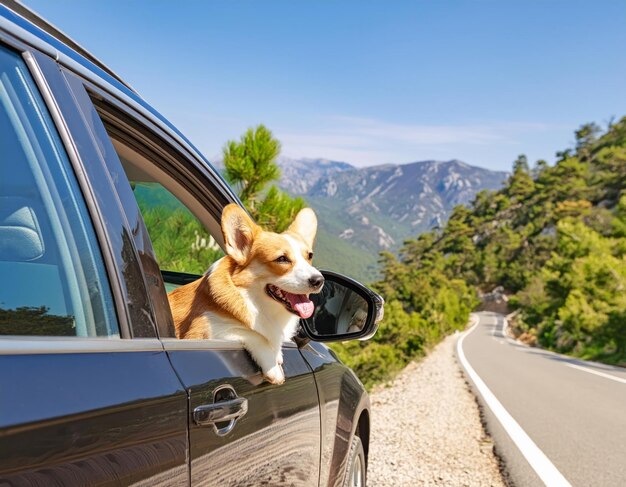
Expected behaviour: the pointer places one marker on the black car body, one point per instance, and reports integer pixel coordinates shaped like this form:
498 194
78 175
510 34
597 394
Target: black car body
94 387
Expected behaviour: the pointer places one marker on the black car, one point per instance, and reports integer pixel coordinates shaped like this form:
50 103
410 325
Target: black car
94 387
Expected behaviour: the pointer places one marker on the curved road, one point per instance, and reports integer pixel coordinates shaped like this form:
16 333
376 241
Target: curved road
555 420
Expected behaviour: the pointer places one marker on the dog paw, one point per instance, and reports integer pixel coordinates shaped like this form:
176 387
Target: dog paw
275 375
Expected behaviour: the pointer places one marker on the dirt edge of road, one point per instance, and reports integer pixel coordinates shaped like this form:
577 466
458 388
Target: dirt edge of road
428 428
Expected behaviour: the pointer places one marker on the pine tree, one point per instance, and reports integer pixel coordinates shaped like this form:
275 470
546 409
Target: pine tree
250 166
520 183
251 163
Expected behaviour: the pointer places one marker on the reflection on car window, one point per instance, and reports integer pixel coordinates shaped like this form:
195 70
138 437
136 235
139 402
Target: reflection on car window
52 278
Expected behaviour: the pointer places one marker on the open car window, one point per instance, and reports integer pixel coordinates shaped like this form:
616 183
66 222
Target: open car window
180 241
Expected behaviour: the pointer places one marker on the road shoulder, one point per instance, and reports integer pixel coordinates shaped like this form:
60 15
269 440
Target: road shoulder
427 428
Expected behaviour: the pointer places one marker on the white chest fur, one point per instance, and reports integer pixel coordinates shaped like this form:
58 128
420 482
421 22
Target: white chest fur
271 325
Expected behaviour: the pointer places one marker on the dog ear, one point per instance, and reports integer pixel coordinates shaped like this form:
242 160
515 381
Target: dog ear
305 225
239 231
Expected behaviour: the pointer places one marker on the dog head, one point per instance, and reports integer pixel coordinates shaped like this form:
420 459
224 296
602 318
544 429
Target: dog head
272 267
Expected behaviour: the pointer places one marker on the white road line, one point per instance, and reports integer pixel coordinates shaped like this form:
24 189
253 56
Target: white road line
540 463
495 330
601 374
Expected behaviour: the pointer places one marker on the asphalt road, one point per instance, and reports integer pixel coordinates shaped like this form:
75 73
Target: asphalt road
555 420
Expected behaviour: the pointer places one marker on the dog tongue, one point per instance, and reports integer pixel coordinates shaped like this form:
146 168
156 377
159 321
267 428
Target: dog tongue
301 303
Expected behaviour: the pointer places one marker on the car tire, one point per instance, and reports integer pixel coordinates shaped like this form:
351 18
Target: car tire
356 468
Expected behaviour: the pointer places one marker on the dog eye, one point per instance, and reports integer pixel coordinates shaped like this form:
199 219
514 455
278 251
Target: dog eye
283 259
310 255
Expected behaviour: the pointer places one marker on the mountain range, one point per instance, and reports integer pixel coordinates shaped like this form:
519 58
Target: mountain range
363 210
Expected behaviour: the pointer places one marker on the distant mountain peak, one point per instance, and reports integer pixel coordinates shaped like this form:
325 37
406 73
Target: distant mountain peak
298 176
363 210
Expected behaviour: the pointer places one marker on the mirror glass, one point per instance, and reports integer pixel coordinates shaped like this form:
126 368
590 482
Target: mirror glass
338 311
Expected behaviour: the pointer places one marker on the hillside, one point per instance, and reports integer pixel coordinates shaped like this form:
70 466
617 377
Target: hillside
365 210
554 238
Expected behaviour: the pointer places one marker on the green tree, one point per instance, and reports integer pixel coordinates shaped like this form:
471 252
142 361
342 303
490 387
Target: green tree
250 166
539 167
251 163
180 241
521 183
35 321
554 237
586 136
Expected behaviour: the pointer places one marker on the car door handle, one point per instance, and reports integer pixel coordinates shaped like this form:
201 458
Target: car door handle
229 410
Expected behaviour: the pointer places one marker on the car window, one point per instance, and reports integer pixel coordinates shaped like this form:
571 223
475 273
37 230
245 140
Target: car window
180 242
52 279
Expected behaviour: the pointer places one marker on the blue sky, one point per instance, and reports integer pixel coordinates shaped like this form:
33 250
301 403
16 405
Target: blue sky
367 82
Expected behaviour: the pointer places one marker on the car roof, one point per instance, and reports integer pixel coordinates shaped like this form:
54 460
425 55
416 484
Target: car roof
30 28
46 27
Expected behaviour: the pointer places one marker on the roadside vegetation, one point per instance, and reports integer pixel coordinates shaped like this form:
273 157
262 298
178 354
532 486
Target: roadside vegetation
425 302
554 238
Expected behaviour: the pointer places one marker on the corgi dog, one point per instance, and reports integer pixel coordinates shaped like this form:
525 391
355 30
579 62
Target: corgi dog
255 294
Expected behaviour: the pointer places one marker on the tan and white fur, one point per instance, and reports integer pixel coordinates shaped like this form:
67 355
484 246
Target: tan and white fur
257 293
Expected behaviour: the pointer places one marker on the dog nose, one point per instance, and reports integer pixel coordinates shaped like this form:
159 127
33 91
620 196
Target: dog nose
316 281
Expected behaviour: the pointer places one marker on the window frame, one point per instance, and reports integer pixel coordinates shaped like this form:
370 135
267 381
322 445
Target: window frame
70 128
200 182
112 230
65 226
133 130
23 343
198 194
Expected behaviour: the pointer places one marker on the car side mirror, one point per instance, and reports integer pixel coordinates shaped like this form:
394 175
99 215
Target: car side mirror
344 310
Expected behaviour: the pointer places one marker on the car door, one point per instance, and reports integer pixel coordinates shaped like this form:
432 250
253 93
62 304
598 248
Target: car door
276 441
87 393
242 430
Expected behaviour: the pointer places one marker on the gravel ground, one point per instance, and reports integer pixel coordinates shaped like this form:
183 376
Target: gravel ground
427 429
